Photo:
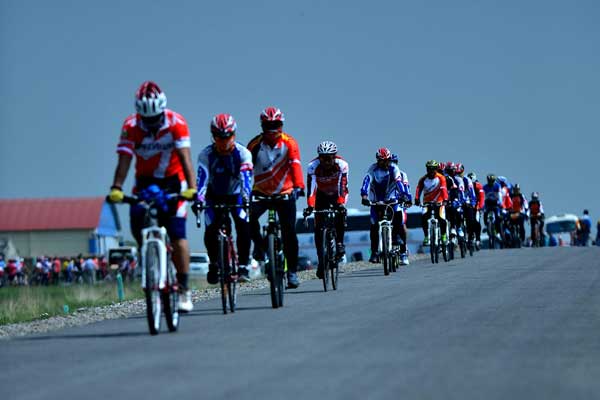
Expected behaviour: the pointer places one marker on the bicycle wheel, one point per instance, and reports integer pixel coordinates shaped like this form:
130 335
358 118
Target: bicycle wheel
433 249
463 247
170 299
385 250
334 274
491 234
223 267
272 270
450 247
281 269
328 250
152 292
232 283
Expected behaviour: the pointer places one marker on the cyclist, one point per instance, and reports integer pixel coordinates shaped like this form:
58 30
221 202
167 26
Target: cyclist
493 202
327 187
480 194
160 140
225 177
277 170
519 209
506 204
470 205
384 182
434 189
536 213
456 199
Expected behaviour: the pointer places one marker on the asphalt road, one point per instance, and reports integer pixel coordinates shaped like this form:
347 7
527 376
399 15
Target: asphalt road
510 324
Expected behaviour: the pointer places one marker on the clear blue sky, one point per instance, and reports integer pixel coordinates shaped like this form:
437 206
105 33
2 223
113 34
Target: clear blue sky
507 87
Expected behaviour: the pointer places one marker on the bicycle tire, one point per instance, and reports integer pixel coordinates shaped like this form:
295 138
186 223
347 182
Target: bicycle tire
491 234
272 270
433 250
281 269
385 251
327 254
222 262
152 292
335 274
170 299
463 247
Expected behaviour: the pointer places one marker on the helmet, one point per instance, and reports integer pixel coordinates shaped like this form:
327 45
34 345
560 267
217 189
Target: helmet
535 196
504 182
450 166
395 158
460 169
432 164
271 114
150 101
223 126
491 178
516 189
472 176
327 147
442 166
383 154
271 119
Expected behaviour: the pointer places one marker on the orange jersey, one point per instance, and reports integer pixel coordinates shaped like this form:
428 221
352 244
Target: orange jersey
277 169
333 184
434 189
156 155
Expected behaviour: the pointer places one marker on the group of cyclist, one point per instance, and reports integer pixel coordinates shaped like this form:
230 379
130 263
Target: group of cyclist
229 173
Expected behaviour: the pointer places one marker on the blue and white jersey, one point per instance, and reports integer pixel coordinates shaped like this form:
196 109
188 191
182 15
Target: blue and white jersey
470 196
224 175
386 184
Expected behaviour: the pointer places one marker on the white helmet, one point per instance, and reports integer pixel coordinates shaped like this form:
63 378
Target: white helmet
327 147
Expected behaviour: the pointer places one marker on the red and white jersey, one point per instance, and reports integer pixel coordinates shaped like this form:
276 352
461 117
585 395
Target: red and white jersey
332 183
156 155
277 169
434 189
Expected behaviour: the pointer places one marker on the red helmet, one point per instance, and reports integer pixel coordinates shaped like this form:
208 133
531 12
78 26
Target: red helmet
460 168
150 101
383 154
442 166
271 119
223 126
271 114
450 166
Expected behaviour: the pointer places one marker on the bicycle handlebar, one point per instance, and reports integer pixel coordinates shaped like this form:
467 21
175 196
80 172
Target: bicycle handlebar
272 197
197 208
133 200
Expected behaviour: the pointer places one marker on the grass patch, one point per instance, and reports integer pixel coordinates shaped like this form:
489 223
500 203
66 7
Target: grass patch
21 304
29 303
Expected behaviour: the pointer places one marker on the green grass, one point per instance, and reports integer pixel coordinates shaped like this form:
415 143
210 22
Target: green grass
20 304
29 303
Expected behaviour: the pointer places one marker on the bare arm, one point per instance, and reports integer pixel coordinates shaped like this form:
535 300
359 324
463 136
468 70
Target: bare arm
185 156
121 170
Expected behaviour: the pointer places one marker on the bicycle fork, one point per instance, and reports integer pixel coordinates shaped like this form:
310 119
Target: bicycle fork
150 236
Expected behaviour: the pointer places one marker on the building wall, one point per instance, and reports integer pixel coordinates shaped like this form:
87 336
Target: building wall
60 243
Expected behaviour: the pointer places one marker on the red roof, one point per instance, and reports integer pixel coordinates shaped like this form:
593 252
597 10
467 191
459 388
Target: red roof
50 214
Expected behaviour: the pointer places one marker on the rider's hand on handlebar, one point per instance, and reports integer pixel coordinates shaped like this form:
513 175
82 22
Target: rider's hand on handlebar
417 202
307 211
365 201
189 194
116 195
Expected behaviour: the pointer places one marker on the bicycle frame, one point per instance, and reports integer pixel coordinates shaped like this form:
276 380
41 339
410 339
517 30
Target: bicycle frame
158 235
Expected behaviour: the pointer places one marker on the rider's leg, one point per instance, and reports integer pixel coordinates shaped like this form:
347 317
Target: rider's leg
441 217
256 210
399 230
287 219
374 234
242 229
522 227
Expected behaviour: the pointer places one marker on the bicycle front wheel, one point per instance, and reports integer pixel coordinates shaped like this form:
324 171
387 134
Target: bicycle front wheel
433 249
153 295
272 270
385 250
223 267
328 247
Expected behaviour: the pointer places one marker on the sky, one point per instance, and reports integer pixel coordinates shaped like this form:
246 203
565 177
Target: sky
509 87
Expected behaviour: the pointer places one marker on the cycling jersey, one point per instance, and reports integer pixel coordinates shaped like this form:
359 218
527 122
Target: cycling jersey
480 194
331 183
519 204
434 189
493 195
155 154
385 184
224 175
535 208
506 200
277 168
469 187
456 189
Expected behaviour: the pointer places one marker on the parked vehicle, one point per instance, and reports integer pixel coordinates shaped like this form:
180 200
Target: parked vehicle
561 229
199 263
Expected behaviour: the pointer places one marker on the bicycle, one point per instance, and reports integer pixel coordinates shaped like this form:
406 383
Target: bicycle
227 261
536 236
436 246
515 238
275 267
388 256
159 279
328 245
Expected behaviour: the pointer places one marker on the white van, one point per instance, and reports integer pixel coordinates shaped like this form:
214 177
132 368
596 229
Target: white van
561 229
